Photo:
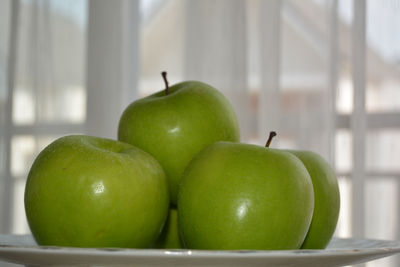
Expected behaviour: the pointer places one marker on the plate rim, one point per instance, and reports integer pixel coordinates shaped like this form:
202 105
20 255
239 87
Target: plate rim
393 247
24 251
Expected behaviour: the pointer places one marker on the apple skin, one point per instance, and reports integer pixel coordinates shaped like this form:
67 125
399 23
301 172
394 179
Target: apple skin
169 238
175 127
84 191
242 196
326 200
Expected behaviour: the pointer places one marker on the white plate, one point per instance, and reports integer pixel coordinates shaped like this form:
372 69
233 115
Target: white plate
340 252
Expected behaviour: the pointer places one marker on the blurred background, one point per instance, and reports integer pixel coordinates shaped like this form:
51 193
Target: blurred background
324 74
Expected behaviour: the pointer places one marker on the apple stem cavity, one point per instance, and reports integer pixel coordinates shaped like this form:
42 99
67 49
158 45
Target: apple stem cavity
272 134
164 75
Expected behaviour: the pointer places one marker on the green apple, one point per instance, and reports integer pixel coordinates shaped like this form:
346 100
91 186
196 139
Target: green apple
327 200
169 238
175 124
243 196
85 191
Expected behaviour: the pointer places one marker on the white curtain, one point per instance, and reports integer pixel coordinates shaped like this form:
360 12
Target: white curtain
245 49
324 74
43 95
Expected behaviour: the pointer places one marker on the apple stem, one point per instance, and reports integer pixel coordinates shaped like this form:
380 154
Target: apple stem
164 75
272 134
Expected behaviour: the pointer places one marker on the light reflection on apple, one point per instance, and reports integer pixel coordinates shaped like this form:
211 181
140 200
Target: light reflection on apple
242 211
174 130
98 188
